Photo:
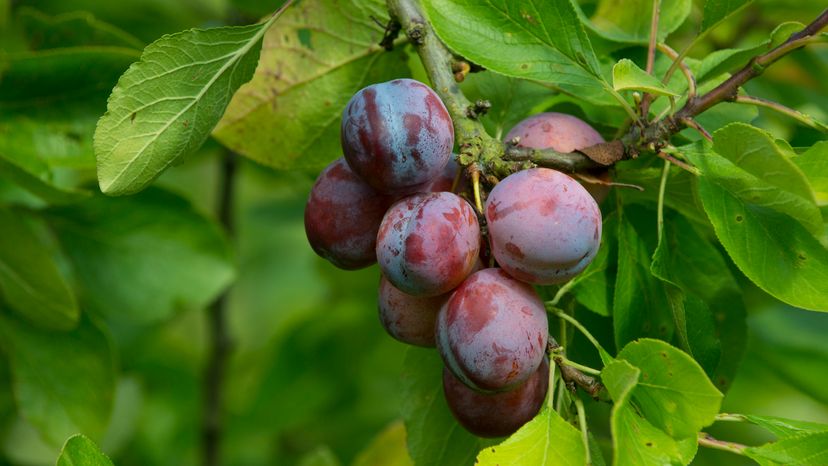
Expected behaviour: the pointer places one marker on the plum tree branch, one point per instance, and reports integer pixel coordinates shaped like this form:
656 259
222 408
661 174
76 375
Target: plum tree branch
500 159
727 91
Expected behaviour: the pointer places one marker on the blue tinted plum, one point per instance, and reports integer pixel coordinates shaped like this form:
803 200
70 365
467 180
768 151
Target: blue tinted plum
397 135
558 131
496 414
428 243
563 133
409 319
544 226
342 217
492 332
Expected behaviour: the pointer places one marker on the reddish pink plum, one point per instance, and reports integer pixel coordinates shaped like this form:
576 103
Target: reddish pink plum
496 414
409 319
492 332
397 135
558 131
544 226
428 243
342 217
563 133
445 180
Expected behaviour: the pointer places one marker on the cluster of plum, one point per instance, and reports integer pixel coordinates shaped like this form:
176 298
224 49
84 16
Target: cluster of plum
390 200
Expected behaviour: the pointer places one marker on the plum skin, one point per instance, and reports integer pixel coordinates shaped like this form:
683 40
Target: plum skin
558 131
409 319
342 217
492 332
397 135
544 227
428 243
498 414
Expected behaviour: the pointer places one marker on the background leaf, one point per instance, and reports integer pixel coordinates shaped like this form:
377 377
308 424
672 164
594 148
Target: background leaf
63 382
434 437
164 107
313 61
808 449
629 21
716 11
30 281
145 257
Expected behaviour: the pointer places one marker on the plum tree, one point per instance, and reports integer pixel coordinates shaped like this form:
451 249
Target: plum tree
544 226
342 217
492 332
397 135
409 319
428 243
496 414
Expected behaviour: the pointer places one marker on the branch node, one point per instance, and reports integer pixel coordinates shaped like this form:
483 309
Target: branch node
478 109
416 33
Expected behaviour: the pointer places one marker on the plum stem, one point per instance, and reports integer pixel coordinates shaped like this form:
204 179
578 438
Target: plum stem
662 187
644 107
582 423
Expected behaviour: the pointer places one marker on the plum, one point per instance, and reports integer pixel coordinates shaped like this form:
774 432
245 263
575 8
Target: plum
428 243
409 319
558 131
342 217
492 332
563 133
496 414
397 135
544 227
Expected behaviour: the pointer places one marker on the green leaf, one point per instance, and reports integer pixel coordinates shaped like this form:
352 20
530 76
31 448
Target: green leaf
716 11
434 437
808 449
312 63
783 428
144 257
165 105
757 152
780 255
634 439
63 382
80 451
626 75
71 30
705 298
30 281
543 41
545 440
673 393
630 21
814 164
640 306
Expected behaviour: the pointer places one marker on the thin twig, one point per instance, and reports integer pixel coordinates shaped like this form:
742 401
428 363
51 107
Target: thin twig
727 91
665 173
218 336
683 165
579 406
706 440
806 120
685 70
691 123
644 108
